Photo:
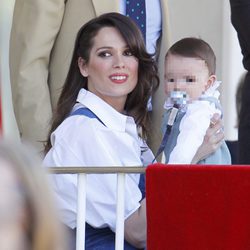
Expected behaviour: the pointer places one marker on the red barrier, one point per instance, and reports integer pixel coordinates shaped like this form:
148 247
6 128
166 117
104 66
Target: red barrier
198 207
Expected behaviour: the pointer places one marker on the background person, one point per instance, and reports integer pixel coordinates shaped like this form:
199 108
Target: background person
240 18
28 220
233 146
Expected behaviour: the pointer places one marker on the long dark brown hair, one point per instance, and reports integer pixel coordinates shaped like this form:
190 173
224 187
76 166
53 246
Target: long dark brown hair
148 81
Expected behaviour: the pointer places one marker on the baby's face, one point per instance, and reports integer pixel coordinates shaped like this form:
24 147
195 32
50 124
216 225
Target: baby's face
185 76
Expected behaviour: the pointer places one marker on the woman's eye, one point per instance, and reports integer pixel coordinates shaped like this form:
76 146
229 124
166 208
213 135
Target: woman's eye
104 54
128 53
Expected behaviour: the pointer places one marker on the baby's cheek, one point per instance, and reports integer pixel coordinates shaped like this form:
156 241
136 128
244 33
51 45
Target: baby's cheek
195 93
166 89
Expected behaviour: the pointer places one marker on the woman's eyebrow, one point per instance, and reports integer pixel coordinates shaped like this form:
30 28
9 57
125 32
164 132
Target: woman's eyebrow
109 47
104 47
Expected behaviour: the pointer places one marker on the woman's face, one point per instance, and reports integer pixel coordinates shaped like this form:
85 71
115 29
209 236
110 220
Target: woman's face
112 70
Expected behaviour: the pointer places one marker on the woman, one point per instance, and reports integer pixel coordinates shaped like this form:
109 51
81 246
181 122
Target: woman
102 107
27 216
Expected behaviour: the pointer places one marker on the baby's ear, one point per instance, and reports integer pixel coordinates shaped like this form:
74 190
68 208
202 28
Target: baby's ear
210 82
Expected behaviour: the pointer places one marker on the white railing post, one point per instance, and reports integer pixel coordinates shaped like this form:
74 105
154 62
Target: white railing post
81 211
119 237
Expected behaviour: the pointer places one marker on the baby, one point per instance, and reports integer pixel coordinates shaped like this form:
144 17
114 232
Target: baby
191 89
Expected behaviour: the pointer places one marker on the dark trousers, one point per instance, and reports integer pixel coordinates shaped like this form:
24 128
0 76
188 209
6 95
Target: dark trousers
96 239
244 123
240 17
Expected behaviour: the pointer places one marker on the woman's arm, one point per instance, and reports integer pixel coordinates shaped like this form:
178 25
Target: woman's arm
212 140
136 227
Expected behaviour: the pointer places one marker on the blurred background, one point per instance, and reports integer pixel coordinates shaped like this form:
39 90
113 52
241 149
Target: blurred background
9 124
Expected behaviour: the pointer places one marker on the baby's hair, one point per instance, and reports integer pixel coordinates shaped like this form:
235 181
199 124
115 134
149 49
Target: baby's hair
195 48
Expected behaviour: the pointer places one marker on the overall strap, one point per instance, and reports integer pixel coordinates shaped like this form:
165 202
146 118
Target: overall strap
86 112
171 120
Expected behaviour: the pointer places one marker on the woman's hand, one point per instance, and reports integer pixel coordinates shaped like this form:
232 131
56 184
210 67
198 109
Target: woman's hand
212 140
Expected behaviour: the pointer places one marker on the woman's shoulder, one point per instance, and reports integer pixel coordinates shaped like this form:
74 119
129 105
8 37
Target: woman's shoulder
76 127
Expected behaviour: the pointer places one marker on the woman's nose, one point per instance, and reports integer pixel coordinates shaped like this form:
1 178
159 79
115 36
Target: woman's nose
118 61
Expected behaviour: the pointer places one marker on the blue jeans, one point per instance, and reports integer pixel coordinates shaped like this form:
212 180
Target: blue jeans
96 239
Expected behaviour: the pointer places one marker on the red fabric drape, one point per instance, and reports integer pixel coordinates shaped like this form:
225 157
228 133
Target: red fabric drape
198 207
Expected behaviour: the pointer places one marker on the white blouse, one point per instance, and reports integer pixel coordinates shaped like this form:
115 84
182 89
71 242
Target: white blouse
84 141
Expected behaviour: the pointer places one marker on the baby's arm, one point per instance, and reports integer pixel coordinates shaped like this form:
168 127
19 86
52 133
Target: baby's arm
193 128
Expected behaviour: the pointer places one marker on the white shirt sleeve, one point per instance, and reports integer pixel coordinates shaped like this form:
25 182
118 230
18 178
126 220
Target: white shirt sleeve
193 127
92 144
